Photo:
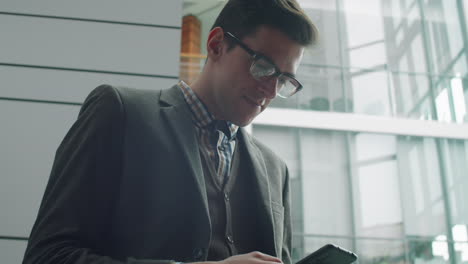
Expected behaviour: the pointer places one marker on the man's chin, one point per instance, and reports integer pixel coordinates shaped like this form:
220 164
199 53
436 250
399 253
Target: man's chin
244 122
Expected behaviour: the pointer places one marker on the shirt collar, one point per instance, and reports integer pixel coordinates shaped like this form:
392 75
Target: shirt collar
201 116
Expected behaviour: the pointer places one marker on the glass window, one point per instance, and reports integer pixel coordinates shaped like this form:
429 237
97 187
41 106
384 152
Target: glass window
381 251
455 155
460 68
326 193
443 22
450 99
327 50
412 95
376 187
371 92
379 195
322 161
421 189
323 90
364 38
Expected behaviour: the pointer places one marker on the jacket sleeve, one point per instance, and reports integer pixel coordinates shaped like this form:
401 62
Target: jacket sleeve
74 219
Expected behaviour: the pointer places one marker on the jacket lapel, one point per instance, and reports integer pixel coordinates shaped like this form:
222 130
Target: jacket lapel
263 186
177 114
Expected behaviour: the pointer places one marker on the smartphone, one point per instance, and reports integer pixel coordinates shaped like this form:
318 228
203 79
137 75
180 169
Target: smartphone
329 254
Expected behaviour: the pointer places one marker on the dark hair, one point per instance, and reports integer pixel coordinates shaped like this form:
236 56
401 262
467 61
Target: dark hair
243 17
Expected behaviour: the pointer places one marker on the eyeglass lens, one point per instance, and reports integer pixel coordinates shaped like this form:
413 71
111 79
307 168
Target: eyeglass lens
262 69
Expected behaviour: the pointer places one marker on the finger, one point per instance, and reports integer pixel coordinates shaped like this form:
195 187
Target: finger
266 257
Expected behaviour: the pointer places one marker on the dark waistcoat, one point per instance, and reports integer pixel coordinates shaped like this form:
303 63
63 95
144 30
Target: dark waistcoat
235 223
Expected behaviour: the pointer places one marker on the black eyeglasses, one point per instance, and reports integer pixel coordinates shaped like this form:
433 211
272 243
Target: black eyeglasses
262 69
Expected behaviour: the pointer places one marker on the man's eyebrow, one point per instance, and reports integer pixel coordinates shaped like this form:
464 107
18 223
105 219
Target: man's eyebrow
276 66
266 57
289 74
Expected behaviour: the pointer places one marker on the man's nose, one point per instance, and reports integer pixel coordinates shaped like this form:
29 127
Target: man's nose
269 87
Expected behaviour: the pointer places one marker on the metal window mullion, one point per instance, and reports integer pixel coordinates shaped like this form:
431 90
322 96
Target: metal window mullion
463 28
453 114
444 74
442 169
350 165
391 90
298 145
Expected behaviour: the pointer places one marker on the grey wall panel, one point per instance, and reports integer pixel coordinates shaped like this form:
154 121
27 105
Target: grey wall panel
11 251
89 45
31 132
68 86
142 11
29 136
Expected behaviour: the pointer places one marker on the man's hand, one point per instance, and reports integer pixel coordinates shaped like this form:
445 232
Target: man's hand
252 258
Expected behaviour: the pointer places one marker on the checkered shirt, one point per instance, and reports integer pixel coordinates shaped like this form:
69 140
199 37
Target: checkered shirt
217 138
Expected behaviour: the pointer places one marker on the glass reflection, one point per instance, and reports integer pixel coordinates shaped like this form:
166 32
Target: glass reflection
380 195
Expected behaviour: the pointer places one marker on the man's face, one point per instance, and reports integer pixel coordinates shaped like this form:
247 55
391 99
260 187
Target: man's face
237 96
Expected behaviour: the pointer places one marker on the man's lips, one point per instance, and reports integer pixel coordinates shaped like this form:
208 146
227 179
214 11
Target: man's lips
254 102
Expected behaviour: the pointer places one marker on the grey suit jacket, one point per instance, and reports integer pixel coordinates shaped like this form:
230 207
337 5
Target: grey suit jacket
127 186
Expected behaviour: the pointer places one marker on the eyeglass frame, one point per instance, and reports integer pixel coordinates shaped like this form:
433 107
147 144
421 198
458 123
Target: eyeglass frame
256 56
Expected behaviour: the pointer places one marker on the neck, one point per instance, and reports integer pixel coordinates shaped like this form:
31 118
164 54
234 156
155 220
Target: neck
203 88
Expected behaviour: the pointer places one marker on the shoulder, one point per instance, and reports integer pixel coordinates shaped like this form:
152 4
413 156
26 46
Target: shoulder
270 158
275 168
103 103
121 94
127 99
267 151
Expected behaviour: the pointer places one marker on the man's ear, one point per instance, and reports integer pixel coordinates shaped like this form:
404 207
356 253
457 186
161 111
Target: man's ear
214 44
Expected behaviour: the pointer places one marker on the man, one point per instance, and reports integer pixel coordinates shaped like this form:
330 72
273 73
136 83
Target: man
168 176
